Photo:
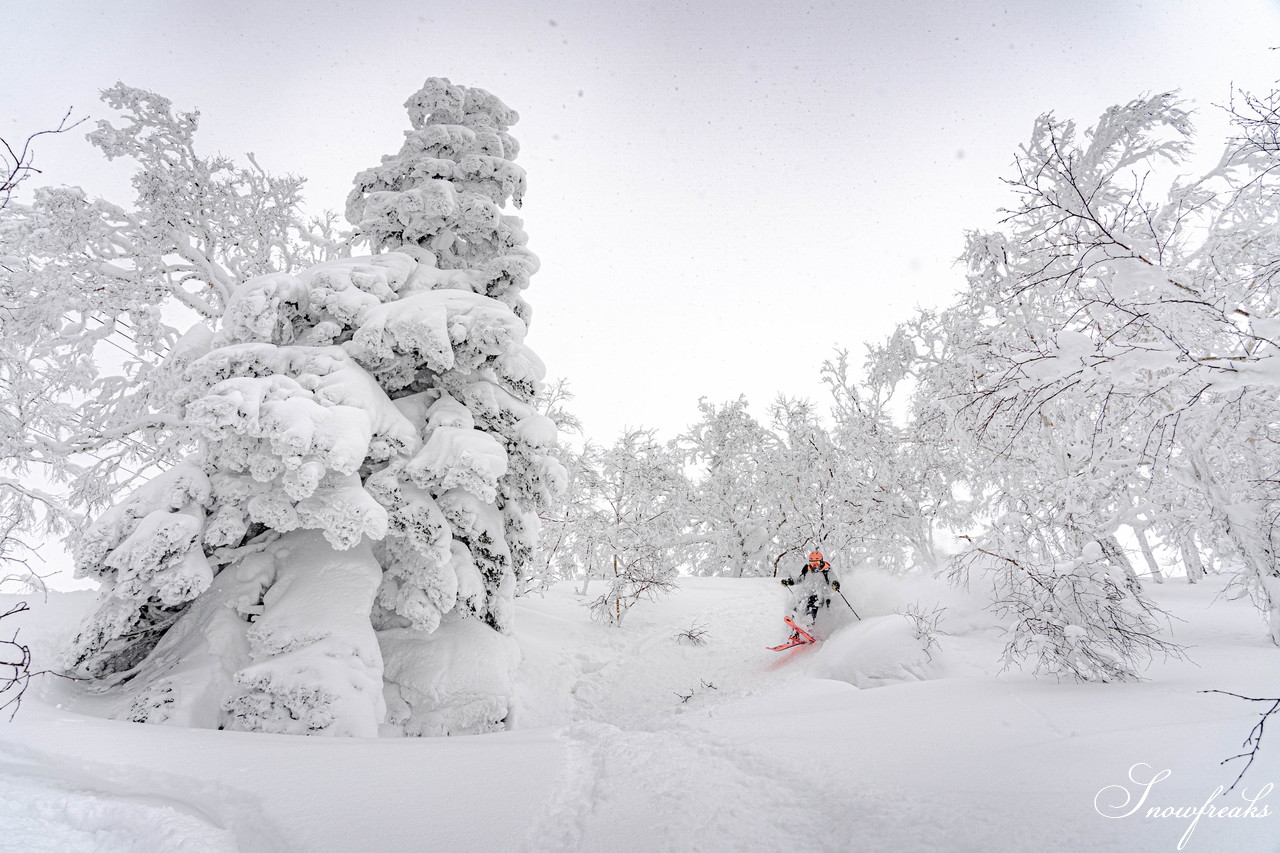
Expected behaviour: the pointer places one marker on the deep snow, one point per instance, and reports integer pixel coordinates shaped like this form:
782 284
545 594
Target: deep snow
632 738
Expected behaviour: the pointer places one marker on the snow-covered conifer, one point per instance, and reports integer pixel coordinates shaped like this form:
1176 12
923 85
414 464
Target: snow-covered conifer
341 554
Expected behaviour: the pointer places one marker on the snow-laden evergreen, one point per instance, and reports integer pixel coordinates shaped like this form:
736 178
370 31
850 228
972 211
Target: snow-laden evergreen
364 497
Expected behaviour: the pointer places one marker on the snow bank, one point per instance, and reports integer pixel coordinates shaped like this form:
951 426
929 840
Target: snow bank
42 814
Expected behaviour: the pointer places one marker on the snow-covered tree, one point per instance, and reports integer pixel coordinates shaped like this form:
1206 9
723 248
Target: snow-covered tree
569 539
25 507
556 557
623 521
847 483
95 294
735 500
1110 363
340 554
893 493
636 530
18 159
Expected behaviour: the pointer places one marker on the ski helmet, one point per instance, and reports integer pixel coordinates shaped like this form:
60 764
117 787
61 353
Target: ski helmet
815 556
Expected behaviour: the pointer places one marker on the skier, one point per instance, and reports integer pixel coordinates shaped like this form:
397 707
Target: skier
811 590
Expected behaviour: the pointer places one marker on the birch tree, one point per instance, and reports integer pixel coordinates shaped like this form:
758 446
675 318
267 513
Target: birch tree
1110 347
95 295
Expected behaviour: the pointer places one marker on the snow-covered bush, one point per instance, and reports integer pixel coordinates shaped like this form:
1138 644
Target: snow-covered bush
1076 617
15 666
369 472
623 520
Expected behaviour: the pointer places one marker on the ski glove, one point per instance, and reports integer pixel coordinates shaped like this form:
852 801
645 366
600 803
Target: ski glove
835 585
787 582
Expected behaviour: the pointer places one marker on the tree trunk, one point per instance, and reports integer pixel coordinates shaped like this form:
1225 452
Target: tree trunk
1191 559
1271 583
1115 554
1243 526
1147 555
922 543
617 602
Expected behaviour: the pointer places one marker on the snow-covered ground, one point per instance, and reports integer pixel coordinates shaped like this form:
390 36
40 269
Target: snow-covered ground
632 738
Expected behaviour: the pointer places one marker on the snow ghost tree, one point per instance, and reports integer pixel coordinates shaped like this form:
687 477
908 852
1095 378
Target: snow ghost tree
340 554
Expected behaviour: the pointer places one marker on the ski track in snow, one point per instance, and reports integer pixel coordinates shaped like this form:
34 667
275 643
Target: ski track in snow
640 671
696 791
644 772
635 683
682 788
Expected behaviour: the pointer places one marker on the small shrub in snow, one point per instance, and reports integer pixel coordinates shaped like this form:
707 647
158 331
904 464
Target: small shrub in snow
702 686
926 625
695 635
1074 617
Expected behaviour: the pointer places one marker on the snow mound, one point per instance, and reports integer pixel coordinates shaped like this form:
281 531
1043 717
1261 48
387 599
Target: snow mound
456 680
44 814
874 653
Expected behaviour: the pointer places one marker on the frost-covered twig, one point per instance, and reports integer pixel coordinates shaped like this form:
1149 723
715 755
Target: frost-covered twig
17 165
925 624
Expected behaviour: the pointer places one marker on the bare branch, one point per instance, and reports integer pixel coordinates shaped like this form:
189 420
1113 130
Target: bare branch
1253 742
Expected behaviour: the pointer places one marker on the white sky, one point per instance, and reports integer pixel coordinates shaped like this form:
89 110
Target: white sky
721 193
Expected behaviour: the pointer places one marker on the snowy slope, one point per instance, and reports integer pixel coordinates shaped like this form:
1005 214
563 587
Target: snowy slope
630 739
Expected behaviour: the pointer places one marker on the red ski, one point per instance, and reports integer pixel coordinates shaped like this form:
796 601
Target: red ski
799 638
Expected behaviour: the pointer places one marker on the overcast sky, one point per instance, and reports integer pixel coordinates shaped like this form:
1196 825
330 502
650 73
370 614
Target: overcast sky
721 193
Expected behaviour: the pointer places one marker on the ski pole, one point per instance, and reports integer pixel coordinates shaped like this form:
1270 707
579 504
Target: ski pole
846 601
